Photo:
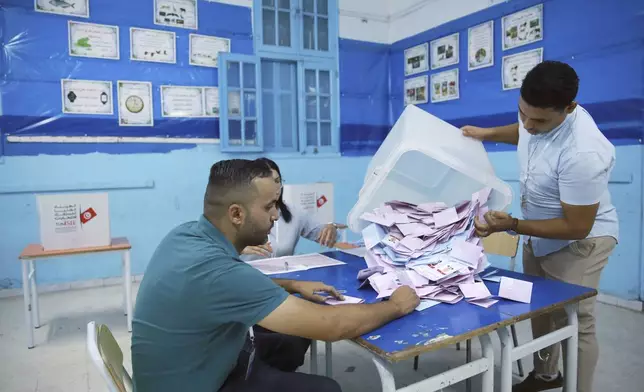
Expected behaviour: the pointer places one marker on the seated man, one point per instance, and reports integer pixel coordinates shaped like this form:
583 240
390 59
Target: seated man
198 302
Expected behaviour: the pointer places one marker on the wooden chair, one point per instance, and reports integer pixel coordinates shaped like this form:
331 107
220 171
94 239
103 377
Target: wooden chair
108 358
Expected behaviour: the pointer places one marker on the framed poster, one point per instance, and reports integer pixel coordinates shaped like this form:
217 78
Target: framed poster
86 96
516 66
445 86
211 99
79 8
153 45
135 104
523 27
93 40
205 49
416 59
182 101
444 51
480 46
416 90
176 13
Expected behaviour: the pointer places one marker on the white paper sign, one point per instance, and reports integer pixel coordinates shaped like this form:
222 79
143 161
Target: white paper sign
416 90
480 46
63 7
445 86
93 40
152 45
516 67
182 101
416 59
523 27
211 96
445 51
176 13
87 96
204 49
316 198
135 104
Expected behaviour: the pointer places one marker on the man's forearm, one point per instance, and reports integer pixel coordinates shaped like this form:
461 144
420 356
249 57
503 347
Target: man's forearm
508 134
558 229
351 321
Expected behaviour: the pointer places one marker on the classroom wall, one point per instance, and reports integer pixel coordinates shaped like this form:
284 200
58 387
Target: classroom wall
610 63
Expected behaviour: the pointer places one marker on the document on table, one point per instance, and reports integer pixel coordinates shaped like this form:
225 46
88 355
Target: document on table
347 301
285 264
516 290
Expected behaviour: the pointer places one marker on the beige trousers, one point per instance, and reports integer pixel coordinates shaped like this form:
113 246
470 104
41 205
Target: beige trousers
579 263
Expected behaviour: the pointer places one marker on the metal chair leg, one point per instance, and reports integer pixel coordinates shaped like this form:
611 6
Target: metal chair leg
515 341
416 362
468 359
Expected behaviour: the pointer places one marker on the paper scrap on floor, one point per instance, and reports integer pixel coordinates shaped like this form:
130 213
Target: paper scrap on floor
431 247
286 264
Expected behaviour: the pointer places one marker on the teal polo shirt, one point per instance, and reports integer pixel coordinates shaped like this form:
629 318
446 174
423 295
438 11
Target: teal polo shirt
193 310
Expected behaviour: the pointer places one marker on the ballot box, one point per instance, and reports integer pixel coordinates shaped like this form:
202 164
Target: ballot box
425 159
69 221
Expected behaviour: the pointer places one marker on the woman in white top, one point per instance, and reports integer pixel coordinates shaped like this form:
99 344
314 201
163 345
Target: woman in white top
291 225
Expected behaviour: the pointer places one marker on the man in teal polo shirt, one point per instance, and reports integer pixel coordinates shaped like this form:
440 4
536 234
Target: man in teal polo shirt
197 304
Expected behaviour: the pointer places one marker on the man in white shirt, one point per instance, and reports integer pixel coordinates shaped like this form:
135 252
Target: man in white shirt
569 224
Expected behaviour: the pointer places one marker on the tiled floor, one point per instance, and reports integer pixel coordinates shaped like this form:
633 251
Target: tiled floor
59 361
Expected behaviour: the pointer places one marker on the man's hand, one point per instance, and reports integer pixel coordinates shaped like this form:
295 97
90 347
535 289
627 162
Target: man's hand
328 236
261 250
475 132
495 221
405 299
309 290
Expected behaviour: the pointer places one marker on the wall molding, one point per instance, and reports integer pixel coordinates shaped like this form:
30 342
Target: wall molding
110 139
615 178
9 189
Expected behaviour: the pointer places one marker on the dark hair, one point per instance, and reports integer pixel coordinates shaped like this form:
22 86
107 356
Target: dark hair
284 210
232 175
551 84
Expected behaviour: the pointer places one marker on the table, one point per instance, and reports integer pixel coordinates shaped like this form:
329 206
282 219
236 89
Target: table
445 325
34 252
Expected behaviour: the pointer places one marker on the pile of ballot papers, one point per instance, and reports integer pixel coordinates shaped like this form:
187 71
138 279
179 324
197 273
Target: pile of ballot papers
431 247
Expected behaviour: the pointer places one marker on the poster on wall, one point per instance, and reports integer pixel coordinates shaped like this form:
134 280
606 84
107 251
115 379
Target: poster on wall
205 49
63 7
86 96
135 104
181 101
444 51
523 27
416 59
516 66
153 45
416 90
445 86
480 46
176 13
93 40
211 97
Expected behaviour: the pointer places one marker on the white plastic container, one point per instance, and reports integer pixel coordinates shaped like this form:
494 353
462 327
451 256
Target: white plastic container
425 159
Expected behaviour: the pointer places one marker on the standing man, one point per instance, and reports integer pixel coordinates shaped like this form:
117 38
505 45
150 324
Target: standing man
198 302
569 225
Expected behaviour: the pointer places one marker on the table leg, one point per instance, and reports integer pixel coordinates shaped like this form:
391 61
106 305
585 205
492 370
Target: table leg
572 343
34 294
127 282
468 359
515 340
328 356
487 380
506 359
386 374
26 292
314 357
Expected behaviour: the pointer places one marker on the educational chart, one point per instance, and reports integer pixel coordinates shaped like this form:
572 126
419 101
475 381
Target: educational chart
176 13
516 66
523 27
416 59
180 101
445 51
204 49
480 46
93 40
86 96
445 86
135 104
211 96
63 7
416 90
153 45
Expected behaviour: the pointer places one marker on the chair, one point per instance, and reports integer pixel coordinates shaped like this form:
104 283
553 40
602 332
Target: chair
108 357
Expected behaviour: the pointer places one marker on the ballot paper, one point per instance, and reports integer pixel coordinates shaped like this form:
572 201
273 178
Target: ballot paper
287 264
426 304
347 301
431 247
515 289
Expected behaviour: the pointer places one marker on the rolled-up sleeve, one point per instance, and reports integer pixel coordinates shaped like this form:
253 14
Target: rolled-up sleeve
583 178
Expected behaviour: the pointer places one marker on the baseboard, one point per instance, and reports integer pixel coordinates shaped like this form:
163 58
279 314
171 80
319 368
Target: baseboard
78 285
637 306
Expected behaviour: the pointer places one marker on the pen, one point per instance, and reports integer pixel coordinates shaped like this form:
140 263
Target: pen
286 265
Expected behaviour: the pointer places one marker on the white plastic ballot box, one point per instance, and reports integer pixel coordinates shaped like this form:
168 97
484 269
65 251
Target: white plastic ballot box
69 221
425 159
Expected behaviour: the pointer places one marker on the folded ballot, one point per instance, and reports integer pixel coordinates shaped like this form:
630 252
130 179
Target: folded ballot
431 247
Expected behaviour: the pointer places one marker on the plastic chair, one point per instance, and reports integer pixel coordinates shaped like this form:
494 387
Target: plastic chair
108 357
